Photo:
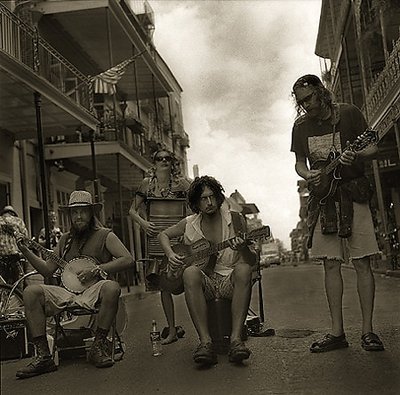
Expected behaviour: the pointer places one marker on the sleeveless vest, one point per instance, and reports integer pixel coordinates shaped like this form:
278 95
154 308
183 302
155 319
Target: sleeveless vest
95 246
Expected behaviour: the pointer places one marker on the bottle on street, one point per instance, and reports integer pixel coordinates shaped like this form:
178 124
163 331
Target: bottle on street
155 338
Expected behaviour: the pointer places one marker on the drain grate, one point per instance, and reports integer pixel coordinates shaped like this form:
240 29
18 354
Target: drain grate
294 333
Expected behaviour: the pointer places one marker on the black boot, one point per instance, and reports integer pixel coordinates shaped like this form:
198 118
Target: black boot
42 363
99 354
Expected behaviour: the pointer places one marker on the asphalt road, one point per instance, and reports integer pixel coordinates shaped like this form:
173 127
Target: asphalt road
295 306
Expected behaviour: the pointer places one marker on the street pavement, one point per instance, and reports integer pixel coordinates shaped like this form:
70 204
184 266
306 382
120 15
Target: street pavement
294 305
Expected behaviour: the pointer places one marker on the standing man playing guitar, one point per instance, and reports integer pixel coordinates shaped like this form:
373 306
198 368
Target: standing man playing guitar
226 275
338 207
88 253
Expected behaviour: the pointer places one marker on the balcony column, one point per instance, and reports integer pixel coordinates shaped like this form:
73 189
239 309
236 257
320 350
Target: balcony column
94 166
156 108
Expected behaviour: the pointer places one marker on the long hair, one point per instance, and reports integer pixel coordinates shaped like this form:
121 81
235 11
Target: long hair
324 95
197 187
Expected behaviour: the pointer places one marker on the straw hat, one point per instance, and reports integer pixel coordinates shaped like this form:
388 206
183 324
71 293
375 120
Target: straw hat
9 209
81 199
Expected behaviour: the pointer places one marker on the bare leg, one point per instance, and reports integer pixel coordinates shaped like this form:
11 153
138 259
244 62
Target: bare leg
34 310
241 277
196 302
169 311
334 294
109 297
366 291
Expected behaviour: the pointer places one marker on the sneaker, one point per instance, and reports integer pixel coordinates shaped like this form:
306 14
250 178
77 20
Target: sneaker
99 355
238 352
205 354
38 365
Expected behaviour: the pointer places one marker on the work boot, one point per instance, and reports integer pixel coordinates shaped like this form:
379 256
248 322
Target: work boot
204 354
38 365
99 355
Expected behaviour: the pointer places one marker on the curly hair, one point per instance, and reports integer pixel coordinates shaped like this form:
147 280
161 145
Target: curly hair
324 95
197 187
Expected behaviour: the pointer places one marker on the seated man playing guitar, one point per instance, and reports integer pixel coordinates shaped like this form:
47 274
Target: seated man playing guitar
88 253
227 275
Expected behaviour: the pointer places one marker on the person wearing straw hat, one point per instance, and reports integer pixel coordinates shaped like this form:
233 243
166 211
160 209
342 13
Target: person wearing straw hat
86 238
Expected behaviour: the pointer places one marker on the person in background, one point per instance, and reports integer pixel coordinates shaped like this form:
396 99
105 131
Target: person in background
325 129
86 238
163 181
12 267
55 232
226 275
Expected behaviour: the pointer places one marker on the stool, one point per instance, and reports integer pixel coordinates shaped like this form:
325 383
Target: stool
220 323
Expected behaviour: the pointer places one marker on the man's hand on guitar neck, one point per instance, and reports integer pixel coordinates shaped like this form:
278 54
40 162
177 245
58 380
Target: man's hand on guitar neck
237 243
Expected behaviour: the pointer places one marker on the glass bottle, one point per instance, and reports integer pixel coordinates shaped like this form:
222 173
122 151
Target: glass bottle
155 338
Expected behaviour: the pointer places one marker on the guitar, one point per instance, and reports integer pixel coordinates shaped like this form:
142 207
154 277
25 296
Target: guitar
199 253
70 269
330 169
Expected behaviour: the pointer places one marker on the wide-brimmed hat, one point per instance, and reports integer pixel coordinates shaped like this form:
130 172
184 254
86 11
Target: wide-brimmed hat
82 199
9 209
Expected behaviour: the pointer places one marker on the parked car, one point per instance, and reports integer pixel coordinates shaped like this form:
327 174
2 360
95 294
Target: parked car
270 258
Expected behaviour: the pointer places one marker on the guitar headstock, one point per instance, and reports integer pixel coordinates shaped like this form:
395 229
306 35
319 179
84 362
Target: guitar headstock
259 233
369 137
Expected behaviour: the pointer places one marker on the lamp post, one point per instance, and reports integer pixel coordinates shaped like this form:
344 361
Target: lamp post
94 168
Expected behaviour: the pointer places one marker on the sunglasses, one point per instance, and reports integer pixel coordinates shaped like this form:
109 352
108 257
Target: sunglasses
306 99
161 158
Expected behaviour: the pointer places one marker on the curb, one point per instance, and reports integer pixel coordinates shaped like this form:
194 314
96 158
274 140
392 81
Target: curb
389 273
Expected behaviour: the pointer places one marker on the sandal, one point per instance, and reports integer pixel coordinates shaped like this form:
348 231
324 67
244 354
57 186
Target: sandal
329 342
371 342
238 352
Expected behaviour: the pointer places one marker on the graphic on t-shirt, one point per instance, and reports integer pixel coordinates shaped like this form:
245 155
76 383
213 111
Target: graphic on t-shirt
320 146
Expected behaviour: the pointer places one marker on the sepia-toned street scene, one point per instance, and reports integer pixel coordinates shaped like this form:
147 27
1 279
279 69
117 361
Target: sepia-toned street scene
200 196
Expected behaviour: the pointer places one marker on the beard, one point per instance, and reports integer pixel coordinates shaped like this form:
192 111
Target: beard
80 230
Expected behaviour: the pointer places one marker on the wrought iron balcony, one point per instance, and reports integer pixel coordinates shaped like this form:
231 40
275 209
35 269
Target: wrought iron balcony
23 43
381 87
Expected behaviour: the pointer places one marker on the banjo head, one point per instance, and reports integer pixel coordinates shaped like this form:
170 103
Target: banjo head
69 277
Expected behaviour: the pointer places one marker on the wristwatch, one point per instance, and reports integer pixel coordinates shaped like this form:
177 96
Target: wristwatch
101 273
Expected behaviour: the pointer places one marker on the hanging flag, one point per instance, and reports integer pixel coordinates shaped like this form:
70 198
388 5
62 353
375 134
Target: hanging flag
106 82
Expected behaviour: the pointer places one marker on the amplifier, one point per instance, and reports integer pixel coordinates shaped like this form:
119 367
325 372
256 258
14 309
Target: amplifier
13 338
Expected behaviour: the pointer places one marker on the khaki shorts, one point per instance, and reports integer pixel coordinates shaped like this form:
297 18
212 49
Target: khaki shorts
360 244
58 298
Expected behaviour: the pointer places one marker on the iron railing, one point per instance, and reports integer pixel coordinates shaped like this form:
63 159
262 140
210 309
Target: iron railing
23 43
384 82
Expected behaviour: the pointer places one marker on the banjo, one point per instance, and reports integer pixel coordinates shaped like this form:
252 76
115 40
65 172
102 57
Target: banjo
70 269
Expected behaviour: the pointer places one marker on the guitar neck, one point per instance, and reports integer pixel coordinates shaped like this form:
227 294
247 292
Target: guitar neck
47 254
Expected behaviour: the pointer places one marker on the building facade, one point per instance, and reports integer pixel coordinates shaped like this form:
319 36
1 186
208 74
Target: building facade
59 131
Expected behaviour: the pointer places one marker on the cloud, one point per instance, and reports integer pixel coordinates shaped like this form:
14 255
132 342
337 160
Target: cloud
236 62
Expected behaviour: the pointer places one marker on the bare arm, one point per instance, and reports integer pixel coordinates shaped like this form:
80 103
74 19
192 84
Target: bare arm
122 257
311 176
165 237
148 227
45 268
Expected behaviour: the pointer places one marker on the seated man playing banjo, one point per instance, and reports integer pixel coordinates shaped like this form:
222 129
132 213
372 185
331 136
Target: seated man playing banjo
227 275
88 253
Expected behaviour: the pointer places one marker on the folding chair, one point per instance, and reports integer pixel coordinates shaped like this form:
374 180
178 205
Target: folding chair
71 336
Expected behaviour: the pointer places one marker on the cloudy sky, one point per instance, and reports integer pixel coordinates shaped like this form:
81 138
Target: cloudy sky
236 62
